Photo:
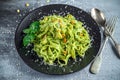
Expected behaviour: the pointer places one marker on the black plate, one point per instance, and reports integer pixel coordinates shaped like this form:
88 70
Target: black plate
30 57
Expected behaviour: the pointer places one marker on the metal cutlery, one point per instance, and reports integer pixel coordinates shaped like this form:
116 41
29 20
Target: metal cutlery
99 17
95 67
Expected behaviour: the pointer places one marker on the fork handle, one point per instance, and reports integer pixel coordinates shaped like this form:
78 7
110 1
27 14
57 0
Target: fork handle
117 47
95 66
110 36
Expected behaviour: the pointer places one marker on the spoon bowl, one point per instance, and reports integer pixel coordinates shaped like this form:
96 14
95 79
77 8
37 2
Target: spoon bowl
98 16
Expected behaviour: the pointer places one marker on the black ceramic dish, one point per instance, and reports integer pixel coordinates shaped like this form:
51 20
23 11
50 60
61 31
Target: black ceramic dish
30 57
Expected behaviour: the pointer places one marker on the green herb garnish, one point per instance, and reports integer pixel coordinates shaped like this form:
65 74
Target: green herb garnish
30 33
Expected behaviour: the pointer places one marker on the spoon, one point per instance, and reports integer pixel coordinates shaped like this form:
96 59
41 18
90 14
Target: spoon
99 17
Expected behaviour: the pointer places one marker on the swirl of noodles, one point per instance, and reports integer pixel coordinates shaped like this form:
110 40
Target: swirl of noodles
60 38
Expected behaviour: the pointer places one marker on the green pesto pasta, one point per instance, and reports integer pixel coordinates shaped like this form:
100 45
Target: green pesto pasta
60 38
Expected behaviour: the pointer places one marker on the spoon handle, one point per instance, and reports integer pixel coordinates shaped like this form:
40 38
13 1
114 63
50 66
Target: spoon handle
95 66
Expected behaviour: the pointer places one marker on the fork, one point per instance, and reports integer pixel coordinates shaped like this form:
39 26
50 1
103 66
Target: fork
110 25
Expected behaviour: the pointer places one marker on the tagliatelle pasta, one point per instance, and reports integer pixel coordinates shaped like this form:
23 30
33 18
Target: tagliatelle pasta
60 38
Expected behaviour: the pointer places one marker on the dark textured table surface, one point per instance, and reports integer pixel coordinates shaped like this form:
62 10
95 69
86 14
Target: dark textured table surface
12 66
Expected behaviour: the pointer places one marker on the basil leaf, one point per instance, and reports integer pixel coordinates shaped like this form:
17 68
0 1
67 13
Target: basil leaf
34 27
26 30
30 33
28 39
